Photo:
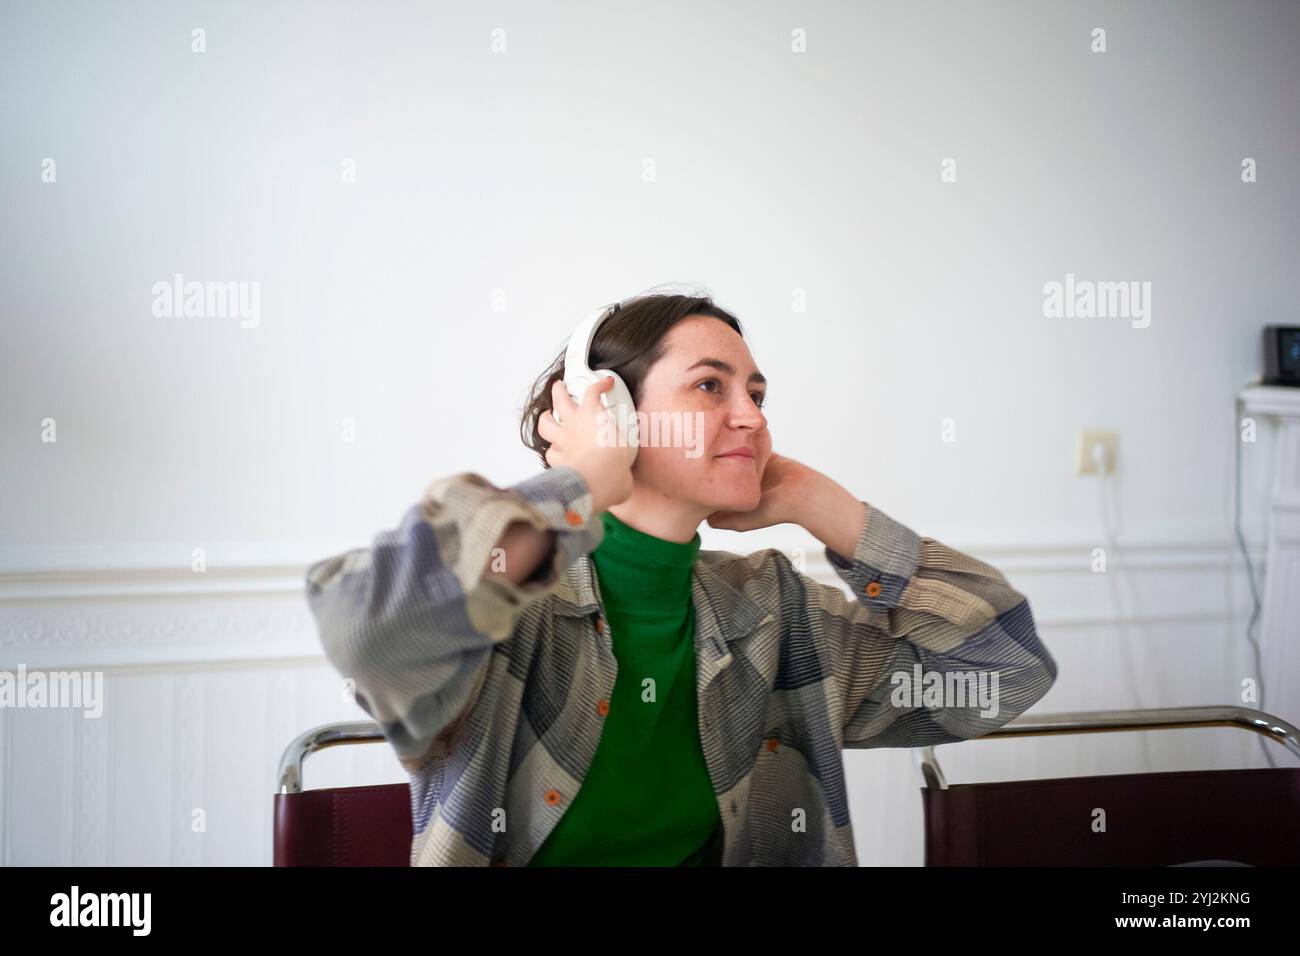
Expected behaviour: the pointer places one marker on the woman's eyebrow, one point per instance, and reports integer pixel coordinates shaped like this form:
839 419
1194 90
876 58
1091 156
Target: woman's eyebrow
726 367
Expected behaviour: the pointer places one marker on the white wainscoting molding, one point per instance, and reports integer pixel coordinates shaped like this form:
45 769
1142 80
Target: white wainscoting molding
210 675
129 616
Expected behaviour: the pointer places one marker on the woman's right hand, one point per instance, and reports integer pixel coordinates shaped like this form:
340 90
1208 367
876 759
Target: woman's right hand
607 467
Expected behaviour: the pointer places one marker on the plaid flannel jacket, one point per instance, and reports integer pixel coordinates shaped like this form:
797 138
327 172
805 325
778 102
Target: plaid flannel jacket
492 693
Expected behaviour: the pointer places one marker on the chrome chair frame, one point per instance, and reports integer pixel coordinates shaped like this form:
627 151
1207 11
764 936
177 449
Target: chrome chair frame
318 739
1077 722
1119 721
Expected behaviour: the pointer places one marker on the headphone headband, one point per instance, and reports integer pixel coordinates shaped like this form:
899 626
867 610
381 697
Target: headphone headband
578 356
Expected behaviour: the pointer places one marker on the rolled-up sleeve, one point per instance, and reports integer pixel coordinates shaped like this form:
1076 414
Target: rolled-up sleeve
413 618
936 646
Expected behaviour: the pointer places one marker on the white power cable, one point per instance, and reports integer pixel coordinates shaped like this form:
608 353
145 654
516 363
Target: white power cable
1108 532
1251 639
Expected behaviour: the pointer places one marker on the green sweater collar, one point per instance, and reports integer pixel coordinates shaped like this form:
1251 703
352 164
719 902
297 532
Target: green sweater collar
641 572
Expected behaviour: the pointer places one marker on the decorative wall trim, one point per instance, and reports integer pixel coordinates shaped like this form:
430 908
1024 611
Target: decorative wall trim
125 617
141 580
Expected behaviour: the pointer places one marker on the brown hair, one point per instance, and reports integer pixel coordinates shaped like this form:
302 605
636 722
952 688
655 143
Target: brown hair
629 342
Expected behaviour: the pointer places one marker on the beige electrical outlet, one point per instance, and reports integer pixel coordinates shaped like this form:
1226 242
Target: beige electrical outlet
1090 437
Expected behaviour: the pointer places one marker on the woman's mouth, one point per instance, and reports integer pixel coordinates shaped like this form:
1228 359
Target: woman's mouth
737 454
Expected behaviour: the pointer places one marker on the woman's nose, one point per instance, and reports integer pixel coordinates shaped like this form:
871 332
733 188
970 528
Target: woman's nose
747 414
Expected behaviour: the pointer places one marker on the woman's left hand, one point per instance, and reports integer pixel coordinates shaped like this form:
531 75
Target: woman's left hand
785 482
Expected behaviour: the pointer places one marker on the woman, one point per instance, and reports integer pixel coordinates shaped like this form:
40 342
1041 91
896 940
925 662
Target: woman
570 680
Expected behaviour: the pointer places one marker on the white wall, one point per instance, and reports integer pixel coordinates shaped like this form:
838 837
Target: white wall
499 197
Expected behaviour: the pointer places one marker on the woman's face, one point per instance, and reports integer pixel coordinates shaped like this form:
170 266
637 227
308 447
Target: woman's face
707 393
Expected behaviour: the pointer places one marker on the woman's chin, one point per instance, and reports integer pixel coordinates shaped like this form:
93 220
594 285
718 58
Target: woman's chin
739 502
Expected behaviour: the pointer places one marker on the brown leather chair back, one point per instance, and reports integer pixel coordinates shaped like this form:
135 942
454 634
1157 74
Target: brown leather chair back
1247 817
1185 818
342 826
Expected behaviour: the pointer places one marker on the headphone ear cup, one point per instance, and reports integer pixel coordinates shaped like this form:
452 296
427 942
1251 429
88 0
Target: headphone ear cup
619 402
576 384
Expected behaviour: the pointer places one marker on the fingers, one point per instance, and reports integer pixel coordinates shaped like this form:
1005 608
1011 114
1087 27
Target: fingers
563 406
560 400
595 390
547 426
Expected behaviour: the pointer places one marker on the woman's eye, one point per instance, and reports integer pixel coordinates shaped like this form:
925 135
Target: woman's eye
760 398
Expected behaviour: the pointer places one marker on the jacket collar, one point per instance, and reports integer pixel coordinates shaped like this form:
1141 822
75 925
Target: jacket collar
720 609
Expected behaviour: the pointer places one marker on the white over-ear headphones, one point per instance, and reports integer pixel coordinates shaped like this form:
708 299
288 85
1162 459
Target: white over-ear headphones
579 376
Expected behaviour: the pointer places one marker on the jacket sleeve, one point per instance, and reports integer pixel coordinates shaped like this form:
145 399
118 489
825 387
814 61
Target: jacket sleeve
413 618
936 647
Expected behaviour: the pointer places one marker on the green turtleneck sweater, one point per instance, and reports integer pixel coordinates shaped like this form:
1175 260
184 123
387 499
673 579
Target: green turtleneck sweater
646 799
